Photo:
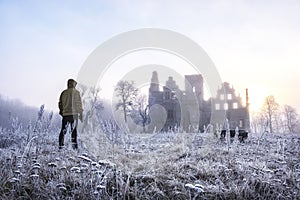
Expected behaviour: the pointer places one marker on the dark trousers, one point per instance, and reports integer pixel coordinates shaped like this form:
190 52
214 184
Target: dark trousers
72 121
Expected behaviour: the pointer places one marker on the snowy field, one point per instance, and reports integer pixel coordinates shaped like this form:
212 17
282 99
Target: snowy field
114 165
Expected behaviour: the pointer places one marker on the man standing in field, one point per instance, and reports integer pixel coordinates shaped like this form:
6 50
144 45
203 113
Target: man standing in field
70 108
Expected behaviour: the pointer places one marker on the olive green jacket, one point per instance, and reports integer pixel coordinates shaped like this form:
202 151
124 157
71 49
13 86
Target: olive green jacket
70 102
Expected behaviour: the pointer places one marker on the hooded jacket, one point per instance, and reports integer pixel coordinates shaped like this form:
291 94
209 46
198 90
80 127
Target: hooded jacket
70 100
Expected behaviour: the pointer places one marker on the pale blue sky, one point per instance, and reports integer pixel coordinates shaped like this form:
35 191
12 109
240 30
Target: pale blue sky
253 44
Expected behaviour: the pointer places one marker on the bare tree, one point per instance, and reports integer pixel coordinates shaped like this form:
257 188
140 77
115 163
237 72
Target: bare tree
143 109
291 118
257 122
93 105
127 93
269 109
278 125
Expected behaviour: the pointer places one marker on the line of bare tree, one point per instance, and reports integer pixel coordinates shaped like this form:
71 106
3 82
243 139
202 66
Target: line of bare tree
275 118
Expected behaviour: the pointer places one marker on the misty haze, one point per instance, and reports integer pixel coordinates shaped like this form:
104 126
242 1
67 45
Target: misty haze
149 100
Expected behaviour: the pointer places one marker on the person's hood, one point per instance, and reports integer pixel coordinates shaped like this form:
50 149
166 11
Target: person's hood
72 83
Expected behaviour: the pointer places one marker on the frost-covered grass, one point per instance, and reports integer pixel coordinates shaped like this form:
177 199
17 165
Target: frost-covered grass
159 166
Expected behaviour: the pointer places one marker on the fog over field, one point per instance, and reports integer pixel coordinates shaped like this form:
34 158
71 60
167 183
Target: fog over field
113 164
150 99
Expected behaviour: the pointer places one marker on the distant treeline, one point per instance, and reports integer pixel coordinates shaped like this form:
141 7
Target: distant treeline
15 111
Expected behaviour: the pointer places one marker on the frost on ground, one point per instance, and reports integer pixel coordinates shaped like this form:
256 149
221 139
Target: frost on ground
158 166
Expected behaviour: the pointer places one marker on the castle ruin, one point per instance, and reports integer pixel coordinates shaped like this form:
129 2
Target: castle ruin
188 109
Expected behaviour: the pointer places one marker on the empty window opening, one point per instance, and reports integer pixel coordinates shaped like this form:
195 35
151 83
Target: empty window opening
167 95
235 105
217 106
241 123
225 106
229 96
222 96
173 95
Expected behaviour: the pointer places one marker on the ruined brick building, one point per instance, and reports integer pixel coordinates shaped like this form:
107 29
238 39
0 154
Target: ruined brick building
189 110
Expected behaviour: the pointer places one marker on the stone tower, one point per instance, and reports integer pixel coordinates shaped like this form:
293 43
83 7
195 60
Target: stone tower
155 96
193 100
154 85
194 86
